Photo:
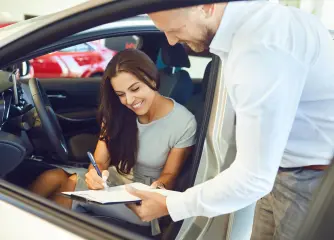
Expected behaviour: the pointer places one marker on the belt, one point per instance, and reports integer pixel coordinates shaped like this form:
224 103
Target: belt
311 167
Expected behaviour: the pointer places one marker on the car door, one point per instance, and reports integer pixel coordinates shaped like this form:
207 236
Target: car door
75 101
25 216
210 156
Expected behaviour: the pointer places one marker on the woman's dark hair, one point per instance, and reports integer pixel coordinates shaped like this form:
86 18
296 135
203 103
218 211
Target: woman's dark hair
118 123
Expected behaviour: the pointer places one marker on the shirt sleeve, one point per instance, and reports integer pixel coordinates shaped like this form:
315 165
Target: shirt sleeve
187 137
265 86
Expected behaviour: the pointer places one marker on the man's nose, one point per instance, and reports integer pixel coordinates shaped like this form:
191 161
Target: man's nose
172 40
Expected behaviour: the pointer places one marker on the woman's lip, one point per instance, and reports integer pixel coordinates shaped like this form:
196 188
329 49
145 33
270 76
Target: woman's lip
137 105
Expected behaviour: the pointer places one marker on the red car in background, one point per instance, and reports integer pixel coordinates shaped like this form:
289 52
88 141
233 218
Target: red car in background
80 61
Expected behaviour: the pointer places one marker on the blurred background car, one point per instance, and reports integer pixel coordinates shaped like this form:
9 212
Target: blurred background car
83 60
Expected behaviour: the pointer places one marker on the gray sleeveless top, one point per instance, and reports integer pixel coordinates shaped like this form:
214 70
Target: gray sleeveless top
157 138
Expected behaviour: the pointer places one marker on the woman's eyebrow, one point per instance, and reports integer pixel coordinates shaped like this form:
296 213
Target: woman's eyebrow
133 85
128 87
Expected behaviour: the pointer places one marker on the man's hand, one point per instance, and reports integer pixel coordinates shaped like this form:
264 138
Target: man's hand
153 205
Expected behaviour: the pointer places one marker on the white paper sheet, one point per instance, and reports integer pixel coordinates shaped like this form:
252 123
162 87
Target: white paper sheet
116 194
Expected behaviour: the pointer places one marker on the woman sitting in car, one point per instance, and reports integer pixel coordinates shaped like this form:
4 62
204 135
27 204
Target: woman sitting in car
144 137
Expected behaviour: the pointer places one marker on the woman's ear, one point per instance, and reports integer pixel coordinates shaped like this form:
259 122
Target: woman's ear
153 83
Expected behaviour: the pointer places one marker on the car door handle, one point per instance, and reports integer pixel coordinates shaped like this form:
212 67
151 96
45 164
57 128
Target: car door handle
59 96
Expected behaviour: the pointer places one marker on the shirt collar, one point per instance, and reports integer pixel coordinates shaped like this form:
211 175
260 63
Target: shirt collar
231 21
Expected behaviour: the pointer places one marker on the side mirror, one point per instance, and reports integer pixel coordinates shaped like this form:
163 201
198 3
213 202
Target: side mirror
24 69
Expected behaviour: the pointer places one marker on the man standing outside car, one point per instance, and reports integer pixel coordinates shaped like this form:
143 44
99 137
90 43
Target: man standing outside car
279 74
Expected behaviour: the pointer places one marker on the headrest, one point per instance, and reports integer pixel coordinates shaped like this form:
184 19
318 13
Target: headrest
175 56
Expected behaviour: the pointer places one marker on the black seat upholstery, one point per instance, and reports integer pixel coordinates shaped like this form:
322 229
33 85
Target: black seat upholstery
175 84
79 145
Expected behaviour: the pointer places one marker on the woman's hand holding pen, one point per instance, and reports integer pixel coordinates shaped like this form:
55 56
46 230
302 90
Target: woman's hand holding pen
94 181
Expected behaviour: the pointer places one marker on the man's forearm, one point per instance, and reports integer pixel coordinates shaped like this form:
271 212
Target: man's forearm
229 191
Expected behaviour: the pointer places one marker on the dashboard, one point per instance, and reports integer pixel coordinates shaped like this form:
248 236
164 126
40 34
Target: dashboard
17 119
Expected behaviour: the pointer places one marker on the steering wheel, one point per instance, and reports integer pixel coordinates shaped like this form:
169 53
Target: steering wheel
49 120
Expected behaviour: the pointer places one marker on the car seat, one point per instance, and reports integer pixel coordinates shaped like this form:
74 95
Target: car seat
175 82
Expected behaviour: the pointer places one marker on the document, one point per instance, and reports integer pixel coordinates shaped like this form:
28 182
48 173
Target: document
114 195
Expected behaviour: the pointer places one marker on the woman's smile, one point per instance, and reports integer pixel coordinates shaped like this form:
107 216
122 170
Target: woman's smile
137 104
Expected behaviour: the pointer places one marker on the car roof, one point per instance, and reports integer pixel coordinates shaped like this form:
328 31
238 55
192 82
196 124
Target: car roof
138 21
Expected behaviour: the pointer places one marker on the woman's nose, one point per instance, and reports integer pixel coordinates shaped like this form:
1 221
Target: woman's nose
129 99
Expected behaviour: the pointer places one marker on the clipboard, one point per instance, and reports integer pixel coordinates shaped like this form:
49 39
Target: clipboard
89 201
112 195
117 195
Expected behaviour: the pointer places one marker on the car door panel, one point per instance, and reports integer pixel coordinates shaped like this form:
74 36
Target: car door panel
75 101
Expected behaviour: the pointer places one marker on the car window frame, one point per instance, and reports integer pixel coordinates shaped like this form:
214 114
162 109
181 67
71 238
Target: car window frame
91 36
87 37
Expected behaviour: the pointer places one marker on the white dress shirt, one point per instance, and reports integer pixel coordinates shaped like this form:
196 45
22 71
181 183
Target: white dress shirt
279 74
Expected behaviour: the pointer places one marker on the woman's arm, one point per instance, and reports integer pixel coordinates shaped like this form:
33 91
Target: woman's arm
101 156
173 166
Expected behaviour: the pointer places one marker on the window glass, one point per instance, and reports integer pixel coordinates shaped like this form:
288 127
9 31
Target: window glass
82 60
197 66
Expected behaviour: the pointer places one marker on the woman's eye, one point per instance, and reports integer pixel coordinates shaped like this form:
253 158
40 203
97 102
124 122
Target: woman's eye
135 90
120 95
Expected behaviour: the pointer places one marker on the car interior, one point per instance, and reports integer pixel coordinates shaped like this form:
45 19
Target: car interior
54 123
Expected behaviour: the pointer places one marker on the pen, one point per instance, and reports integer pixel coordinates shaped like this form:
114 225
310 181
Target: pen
92 160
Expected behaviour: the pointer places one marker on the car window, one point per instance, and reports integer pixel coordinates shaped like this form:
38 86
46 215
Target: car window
197 66
69 49
84 47
198 63
84 60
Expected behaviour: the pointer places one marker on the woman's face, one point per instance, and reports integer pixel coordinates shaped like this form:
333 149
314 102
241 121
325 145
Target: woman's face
133 93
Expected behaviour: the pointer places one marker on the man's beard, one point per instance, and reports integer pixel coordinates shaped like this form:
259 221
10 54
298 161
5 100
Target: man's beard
203 45
197 47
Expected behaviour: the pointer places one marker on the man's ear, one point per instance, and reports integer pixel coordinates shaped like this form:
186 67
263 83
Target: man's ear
208 9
